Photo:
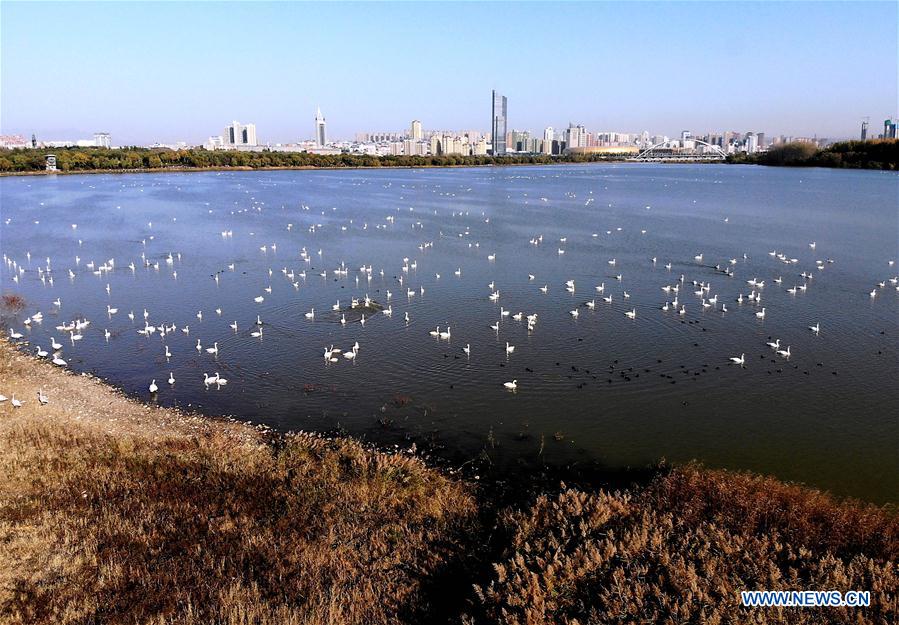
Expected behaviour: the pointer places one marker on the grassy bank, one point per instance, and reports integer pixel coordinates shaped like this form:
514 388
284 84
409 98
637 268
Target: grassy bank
116 512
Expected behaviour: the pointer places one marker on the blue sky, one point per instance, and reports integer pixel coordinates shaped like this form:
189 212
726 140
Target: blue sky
181 71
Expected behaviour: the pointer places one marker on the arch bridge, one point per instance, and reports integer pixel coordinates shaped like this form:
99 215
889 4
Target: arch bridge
664 152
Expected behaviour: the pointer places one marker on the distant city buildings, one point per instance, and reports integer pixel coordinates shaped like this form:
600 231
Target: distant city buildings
321 130
889 129
499 117
100 140
13 141
238 134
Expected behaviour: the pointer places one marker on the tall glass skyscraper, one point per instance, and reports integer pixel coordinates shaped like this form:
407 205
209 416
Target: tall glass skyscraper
498 125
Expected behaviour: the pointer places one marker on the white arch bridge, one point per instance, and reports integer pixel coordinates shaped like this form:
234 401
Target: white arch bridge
664 151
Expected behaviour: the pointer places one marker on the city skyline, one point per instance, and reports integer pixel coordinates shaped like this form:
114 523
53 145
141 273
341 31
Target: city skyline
662 67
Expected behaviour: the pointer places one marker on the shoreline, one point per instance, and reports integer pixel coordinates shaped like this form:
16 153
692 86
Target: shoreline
97 489
242 168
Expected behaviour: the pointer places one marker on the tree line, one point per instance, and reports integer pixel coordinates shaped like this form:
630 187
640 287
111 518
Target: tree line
873 154
124 159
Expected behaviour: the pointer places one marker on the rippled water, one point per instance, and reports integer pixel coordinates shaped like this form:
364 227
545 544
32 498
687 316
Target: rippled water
624 392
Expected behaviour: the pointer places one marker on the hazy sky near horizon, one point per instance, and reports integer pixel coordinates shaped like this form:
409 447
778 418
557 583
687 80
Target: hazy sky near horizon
182 71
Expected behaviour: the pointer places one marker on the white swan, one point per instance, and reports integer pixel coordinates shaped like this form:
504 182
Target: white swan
446 335
775 345
467 349
760 314
153 387
631 314
214 349
511 385
171 378
435 332
815 328
509 348
310 314
41 353
739 361
784 352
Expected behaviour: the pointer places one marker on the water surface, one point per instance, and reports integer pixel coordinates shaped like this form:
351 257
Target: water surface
601 387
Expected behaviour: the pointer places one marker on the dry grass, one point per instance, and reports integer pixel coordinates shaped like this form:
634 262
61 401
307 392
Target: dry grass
682 549
114 512
156 517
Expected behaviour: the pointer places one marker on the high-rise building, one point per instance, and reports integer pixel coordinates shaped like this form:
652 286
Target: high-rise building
321 131
548 140
889 129
576 136
416 130
864 130
101 139
752 144
238 134
498 123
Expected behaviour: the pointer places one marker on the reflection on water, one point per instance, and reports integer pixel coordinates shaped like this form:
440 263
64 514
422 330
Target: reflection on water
596 386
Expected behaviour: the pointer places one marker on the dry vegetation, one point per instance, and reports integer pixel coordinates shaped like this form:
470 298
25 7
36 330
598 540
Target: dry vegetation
682 549
115 512
149 516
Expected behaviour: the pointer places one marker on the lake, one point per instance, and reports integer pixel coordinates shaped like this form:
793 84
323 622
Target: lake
599 387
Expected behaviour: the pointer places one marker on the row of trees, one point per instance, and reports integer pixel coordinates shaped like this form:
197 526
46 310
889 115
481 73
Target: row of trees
875 154
85 159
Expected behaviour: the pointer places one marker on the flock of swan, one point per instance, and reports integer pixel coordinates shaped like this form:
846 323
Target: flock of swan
680 295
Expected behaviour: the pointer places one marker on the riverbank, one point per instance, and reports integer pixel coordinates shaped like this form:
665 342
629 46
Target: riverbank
112 511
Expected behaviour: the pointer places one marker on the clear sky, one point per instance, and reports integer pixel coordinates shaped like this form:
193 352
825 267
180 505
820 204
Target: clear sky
181 71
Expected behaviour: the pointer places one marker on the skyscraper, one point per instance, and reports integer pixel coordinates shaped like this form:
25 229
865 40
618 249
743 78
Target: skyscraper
416 130
321 132
498 124
889 129
864 130
238 134
548 140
